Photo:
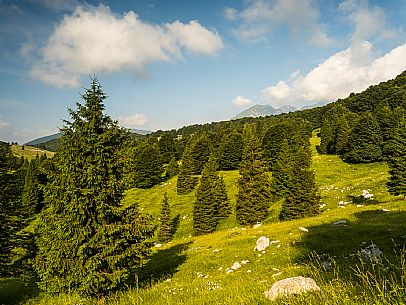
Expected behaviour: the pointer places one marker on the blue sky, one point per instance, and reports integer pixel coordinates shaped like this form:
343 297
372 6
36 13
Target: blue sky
166 64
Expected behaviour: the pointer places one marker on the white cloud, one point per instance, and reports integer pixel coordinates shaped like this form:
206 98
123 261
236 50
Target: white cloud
230 13
94 40
338 76
241 101
260 16
132 121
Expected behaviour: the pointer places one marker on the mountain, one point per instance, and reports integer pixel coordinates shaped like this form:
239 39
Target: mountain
263 110
44 139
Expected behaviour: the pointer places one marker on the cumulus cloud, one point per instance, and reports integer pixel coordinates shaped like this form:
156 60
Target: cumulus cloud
338 76
259 17
94 40
368 21
242 101
132 121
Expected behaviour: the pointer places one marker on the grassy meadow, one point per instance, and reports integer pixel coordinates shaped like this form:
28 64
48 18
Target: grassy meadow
194 270
30 152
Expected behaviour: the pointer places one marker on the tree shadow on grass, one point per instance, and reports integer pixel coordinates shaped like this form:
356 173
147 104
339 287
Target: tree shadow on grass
343 242
15 291
162 265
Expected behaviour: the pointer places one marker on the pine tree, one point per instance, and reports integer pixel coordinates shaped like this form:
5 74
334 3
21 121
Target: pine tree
199 150
212 202
173 168
365 141
87 241
166 147
253 197
147 165
230 151
397 161
165 230
186 180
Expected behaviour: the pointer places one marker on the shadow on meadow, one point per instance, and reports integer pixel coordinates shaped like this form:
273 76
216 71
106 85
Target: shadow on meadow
15 291
343 242
162 264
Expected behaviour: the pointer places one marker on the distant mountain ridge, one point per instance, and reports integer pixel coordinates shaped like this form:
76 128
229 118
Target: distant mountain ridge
263 110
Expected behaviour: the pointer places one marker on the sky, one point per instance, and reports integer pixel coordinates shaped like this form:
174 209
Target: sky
166 64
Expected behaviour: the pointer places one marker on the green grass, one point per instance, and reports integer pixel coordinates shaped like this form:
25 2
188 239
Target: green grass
30 152
192 270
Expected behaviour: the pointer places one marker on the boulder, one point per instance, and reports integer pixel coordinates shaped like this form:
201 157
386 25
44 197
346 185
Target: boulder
371 253
291 286
262 243
339 222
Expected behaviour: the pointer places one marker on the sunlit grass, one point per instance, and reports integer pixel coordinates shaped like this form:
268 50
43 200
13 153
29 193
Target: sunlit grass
30 152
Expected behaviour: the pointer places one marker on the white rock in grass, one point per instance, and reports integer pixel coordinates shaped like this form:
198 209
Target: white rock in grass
256 226
262 243
291 286
229 271
385 210
303 229
339 222
243 262
236 266
158 245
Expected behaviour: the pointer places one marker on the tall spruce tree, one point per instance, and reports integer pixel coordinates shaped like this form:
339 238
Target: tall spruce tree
173 168
165 229
253 197
212 202
397 160
87 241
187 181
230 151
147 165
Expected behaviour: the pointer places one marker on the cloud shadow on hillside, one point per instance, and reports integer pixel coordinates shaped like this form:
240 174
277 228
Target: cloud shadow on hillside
162 265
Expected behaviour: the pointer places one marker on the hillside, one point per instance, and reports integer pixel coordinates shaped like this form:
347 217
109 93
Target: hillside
263 110
30 152
192 270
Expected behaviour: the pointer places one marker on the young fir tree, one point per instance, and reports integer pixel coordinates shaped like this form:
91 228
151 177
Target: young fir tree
87 241
212 202
253 197
199 149
173 168
165 229
397 161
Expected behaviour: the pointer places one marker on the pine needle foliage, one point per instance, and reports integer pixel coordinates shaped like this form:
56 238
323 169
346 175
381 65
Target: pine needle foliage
87 241
165 229
173 168
397 161
254 196
212 203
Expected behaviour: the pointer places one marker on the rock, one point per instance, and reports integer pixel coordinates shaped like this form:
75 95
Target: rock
327 265
262 243
385 210
229 271
243 262
257 225
339 222
360 205
158 245
236 266
303 229
371 253
291 286
366 194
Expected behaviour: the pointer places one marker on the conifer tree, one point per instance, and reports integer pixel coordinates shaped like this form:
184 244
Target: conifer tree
187 181
173 168
87 241
253 197
165 229
397 161
230 151
199 150
365 141
147 165
212 202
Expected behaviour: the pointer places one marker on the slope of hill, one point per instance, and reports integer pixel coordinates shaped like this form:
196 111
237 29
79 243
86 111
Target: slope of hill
44 139
195 270
30 152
